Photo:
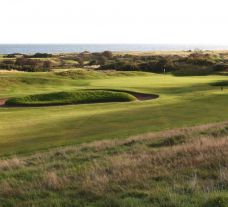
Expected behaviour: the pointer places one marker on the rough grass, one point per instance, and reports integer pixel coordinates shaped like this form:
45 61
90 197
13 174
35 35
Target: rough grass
91 74
125 173
77 97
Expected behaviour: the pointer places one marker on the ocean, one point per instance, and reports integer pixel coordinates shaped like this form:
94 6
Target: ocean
68 48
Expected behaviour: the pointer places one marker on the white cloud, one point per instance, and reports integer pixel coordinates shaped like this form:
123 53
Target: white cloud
114 21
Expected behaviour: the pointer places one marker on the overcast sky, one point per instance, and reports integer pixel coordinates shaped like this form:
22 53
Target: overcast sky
114 21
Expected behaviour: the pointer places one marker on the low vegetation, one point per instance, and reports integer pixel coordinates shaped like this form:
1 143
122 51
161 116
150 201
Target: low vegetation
181 167
77 97
191 63
194 71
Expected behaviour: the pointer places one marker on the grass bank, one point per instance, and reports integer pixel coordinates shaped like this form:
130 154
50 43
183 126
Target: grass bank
66 98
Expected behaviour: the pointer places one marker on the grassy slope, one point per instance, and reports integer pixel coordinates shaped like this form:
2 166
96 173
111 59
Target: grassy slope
182 167
184 101
76 97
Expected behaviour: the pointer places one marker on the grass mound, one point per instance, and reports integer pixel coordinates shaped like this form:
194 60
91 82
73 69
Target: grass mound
63 98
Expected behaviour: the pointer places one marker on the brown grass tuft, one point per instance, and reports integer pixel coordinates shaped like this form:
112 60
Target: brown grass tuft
95 182
53 182
10 164
8 190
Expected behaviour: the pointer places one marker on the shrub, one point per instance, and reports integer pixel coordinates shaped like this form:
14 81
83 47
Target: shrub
13 55
9 66
198 58
38 55
31 65
221 67
8 62
107 54
122 66
220 83
47 64
193 72
148 64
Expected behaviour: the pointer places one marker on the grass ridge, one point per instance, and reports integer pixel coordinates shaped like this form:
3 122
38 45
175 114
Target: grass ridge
77 97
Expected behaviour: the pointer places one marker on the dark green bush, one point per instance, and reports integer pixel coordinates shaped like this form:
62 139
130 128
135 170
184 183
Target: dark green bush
221 67
193 71
201 59
41 55
138 63
107 54
220 83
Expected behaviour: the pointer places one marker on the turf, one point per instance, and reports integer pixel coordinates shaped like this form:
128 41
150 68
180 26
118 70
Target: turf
64 98
183 101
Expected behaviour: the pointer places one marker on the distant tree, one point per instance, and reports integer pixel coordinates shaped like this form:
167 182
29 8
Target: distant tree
80 61
21 61
8 62
47 64
101 60
29 65
41 55
165 64
107 54
10 56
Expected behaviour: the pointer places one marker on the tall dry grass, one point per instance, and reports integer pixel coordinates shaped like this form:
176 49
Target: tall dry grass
196 162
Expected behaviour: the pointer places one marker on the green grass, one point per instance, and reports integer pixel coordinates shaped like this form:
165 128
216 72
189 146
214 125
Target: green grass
124 173
183 101
64 98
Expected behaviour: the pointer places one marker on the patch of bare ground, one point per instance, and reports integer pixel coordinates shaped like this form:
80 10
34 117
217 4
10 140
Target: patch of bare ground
143 96
2 102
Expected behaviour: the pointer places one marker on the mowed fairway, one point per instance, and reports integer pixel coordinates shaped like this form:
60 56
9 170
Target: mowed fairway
183 101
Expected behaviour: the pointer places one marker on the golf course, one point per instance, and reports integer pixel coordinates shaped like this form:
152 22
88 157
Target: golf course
107 138
114 129
114 103
182 102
